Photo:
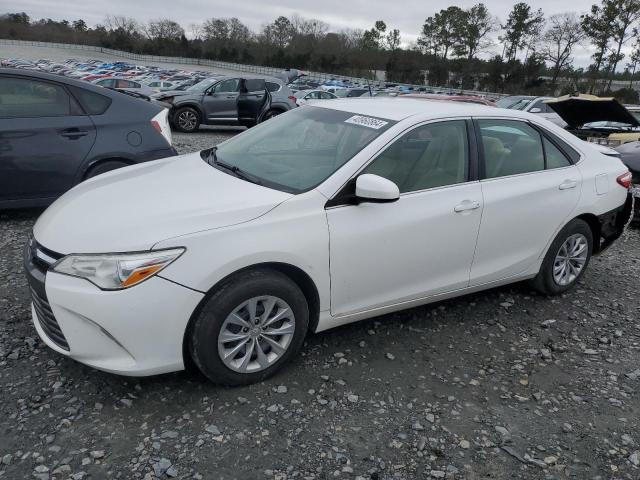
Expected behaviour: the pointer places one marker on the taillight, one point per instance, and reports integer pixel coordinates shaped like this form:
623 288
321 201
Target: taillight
161 124
293 99
625 180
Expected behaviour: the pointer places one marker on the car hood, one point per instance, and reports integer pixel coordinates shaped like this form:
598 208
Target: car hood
133 208
582 109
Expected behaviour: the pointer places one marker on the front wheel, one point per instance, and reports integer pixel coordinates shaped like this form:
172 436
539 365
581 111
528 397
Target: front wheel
566 260
249 328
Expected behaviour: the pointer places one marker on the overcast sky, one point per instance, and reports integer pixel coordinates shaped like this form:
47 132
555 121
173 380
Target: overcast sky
407 15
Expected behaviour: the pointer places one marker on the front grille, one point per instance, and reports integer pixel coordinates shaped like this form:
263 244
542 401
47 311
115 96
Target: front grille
38 260
47 321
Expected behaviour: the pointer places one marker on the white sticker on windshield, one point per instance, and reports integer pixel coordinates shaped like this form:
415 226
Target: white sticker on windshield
368 122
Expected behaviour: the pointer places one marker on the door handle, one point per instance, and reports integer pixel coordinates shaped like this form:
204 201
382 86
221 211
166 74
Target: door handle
567 184
466 205
73 133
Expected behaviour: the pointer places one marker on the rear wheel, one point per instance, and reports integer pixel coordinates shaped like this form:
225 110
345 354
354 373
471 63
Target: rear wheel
566 260
186 119
104 167
249 328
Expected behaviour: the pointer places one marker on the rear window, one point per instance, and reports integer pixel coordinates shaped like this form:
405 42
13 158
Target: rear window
92 103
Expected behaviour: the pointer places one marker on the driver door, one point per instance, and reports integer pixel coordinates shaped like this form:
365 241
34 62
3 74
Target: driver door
421 245
220 101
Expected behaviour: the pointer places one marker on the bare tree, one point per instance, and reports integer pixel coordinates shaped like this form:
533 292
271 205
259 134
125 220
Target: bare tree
562 35
126 25
164 29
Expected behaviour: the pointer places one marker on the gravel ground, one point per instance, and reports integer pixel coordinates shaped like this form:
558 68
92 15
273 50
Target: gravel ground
503 384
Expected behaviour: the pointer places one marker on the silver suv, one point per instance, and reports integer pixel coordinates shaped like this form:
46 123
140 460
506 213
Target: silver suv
215 101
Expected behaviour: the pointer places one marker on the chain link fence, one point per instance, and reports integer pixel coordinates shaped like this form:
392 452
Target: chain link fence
237 67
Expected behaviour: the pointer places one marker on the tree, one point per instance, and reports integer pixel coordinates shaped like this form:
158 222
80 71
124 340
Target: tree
628 12
598 27
442 33
393 40
127 26
280 32
478 24
164 30
522 27
562 35
634 59
79 25
373 39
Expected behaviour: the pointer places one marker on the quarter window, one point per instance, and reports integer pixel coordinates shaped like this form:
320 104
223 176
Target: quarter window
429 156
23 98
555 158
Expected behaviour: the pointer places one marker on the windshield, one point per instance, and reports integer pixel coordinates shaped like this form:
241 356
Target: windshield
202 85
298 150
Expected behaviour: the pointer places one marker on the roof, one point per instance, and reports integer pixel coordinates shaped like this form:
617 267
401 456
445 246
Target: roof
398 108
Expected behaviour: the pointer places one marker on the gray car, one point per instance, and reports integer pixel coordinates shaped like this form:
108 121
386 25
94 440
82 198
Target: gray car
215 101
56 132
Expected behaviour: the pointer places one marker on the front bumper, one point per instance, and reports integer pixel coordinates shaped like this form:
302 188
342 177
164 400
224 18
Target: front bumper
136 331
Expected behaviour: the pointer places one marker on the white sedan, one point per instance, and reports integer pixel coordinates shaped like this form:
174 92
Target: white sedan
322 216
305 96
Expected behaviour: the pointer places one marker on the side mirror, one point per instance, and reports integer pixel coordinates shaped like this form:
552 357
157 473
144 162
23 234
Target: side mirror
373 188
535 110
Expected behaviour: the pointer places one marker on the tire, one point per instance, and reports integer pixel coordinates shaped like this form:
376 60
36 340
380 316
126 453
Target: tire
551 280
186 119
104 167
215 323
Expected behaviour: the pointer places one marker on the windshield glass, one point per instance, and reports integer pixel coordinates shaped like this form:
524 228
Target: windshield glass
298 150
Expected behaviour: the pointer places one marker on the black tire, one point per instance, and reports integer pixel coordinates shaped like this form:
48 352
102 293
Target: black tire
186 119
104 167
202 336
545 282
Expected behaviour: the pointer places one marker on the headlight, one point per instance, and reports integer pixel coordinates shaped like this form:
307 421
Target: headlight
614 143
115 271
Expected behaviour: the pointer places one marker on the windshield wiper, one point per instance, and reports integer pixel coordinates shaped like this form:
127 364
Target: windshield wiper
212 160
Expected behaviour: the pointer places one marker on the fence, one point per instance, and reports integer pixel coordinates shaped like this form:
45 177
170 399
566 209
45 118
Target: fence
236 67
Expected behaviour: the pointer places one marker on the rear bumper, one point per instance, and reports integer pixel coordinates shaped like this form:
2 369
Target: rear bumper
613 223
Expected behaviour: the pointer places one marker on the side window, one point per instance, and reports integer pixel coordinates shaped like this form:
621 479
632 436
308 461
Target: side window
313 96
254 85
154 84
108 82
23 98
273 87
92 103
510 148
227 86
555 158
326 96
429 156
134 85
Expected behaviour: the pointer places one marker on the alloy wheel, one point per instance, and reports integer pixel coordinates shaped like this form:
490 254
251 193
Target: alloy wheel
187 120
256 334
570 259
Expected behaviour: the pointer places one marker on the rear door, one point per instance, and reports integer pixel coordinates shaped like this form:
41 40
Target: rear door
220 102
529 188
44 138
252 101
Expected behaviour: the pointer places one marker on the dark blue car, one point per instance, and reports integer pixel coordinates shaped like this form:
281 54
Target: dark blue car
56 132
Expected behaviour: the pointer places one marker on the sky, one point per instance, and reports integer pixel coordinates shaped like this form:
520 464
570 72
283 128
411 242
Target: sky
408 15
